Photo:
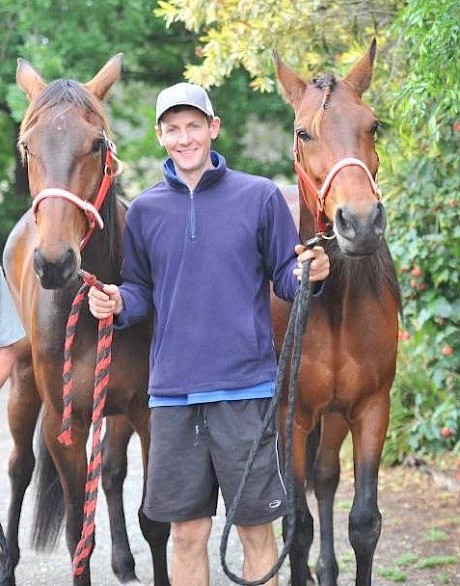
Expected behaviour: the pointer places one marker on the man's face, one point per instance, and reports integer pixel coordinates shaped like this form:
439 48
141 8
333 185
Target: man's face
186 136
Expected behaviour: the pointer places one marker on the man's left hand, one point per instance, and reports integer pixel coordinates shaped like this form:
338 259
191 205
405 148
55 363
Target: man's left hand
320 265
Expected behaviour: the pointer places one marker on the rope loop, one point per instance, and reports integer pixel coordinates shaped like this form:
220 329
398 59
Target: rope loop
291 352
101 380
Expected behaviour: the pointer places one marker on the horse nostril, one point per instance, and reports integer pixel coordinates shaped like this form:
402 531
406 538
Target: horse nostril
68 263
344 222
39 262
379 220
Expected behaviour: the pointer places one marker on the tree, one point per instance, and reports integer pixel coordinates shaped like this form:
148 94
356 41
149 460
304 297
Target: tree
307 34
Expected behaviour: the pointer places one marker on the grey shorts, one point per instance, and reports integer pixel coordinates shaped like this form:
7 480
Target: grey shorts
197 449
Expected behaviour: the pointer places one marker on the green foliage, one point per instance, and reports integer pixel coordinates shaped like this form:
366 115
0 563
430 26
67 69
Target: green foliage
431 33
424 217
310 35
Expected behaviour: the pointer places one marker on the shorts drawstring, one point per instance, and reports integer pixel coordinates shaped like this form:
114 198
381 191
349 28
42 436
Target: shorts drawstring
200 419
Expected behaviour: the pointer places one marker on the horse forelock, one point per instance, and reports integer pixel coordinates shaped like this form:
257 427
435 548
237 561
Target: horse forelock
326 83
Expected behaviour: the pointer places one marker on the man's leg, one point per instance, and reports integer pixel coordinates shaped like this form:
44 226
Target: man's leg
190 564
260 552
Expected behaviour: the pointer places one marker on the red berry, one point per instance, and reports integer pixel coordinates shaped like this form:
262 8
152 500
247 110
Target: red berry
416 272
446 432
447 350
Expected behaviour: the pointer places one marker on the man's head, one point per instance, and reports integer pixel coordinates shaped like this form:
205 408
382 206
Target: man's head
183 94
186 126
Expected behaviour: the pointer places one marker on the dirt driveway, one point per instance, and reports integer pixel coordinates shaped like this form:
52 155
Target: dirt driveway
419 546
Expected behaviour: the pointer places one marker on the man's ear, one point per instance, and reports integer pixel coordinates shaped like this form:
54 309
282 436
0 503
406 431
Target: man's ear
215 127
159 134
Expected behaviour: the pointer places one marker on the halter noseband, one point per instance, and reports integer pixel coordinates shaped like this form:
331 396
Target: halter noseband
91 210
320 194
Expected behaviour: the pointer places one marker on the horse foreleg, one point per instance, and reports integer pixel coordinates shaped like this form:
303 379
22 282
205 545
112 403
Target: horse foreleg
303 532
365 520
114 469
23 408
71 463
155 533
326 480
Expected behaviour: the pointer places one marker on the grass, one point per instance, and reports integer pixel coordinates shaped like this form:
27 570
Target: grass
394 574
434 534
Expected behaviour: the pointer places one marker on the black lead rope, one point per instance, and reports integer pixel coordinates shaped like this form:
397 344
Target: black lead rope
292 340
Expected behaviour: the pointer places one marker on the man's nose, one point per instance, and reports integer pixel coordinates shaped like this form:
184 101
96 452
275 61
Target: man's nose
184 137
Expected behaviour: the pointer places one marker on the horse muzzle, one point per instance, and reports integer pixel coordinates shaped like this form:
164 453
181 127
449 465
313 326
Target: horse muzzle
358 235
59 273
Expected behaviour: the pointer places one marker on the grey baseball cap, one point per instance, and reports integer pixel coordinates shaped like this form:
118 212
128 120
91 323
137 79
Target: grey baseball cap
183 94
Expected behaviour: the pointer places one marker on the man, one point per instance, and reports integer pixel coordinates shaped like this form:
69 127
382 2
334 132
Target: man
201 248
11 330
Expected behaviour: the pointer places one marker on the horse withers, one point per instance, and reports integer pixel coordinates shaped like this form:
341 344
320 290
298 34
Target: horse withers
349 348
76 222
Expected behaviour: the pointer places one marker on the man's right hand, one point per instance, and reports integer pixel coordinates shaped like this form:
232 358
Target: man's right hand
105 303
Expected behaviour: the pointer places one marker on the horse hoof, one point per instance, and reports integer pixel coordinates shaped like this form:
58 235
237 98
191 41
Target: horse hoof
127 576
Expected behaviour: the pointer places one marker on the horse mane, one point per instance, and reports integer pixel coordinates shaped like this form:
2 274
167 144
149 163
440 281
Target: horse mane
59 95
326 83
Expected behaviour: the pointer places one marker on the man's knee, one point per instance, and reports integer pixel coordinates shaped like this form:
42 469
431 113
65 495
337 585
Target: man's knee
191 534
258 537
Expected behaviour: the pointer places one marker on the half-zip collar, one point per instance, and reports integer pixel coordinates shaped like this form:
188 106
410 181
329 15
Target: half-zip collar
209 177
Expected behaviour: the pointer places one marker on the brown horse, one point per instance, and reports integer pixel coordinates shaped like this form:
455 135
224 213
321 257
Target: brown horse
349 349
63 140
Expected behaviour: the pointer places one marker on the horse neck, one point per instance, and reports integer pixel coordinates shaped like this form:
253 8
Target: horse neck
103 254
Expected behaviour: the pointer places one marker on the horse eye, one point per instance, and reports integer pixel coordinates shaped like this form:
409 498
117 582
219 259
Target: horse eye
375 127
97 145
303 134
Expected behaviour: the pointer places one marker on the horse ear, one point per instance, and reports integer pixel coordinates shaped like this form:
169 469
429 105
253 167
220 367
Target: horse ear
292 86
361 74
105 78
28 79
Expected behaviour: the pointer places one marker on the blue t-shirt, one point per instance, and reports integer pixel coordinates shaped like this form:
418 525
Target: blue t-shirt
261 391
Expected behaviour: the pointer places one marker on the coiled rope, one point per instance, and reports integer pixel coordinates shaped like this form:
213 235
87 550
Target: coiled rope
101 379
292 341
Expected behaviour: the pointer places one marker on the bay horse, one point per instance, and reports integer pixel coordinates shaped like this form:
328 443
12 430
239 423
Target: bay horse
349 348
64 143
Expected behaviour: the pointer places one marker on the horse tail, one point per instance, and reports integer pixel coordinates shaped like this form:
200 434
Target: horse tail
49 501
313 440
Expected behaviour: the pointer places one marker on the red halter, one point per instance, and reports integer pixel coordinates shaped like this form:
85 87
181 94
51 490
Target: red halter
91 210
320 194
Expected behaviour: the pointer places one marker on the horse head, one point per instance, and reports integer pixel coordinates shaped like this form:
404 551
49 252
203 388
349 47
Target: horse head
335 156
63 141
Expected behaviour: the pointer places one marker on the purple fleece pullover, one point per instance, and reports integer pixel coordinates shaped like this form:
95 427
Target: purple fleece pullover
204 261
